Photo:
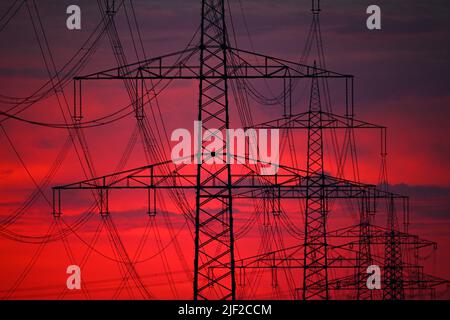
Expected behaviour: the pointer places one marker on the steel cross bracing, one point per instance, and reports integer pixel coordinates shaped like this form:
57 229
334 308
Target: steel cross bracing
214 237
315 271
393 280
364 256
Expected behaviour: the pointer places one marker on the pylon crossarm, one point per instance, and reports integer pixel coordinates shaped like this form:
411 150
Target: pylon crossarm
173 65
131 178
155 176
379 235
271 67
159 176
329 121
290 257
184 65
266 258
426 281
334 188
286 183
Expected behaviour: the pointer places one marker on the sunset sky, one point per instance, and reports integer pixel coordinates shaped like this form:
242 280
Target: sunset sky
400 82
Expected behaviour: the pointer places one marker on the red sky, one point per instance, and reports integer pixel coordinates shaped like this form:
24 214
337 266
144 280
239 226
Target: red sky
399 81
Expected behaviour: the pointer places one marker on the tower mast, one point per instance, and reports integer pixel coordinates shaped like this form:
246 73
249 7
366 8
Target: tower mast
315 274
214 243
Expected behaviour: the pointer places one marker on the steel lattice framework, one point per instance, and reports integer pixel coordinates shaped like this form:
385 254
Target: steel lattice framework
214 242
315 276
214 63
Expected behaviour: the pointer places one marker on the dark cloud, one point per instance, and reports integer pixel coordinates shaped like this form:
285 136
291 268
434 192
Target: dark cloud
426 201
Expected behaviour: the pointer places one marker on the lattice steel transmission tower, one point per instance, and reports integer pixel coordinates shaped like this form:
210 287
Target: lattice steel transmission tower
315 275
214 239
214 63
393 267
217 64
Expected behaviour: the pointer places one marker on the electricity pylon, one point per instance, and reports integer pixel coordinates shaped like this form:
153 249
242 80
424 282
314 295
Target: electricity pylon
315 275
217 63
214 63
